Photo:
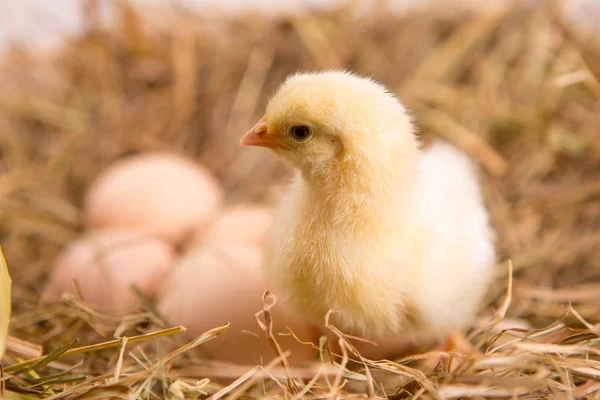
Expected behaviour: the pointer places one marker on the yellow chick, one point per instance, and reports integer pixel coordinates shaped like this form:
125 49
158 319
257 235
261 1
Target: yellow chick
394 239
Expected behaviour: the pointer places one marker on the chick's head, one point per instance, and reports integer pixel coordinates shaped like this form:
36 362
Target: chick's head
320 120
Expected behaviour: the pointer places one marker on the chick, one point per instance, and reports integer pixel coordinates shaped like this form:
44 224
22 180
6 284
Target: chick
394 239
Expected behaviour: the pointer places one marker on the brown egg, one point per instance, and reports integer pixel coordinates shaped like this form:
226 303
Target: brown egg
103 265
241 224
159 193
224 283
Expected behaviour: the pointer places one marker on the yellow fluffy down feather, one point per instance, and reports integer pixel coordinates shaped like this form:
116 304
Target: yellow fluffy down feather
395 239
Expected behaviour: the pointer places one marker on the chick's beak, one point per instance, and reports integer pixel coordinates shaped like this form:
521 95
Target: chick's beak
257 135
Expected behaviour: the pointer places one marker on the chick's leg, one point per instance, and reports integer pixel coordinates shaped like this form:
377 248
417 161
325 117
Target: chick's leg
453 342
456 341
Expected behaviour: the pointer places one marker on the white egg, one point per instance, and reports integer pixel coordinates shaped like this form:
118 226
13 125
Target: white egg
241 224
102 266
159 193
224 283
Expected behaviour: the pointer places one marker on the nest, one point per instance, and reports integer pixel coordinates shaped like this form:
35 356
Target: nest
507 86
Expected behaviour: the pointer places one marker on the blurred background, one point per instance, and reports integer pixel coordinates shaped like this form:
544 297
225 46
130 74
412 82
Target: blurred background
119 123
43 24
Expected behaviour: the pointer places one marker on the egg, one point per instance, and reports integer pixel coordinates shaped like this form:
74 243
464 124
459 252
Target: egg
103 265
241 224
222 283
159 193
579 18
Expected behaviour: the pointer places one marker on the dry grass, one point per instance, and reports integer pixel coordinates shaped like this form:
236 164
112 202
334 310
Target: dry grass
508 87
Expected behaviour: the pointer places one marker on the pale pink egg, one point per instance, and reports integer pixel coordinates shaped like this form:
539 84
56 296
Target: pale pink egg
580 20
159 193
102 266
241 224
219 283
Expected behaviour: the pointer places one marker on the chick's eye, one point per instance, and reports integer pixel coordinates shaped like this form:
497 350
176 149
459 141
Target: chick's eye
300 132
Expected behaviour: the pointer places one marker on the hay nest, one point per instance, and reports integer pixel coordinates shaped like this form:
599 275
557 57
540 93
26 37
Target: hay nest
506 86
